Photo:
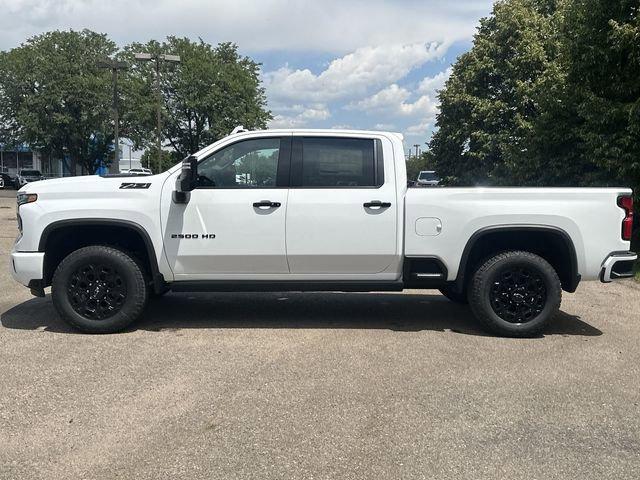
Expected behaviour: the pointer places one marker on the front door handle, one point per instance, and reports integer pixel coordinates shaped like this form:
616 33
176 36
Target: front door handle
376 204
266 204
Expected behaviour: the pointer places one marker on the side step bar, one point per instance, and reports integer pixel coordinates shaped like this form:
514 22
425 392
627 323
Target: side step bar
284 286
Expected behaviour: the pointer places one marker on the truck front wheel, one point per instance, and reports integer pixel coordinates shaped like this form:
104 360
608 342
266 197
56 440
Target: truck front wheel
99 289
515 294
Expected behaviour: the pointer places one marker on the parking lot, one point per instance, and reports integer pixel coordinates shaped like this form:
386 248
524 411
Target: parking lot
318 385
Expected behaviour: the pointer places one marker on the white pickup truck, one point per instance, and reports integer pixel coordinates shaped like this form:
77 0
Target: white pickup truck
311 210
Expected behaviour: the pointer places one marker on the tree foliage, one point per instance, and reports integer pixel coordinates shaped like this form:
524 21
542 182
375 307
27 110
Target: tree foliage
548 95
210 92
54 98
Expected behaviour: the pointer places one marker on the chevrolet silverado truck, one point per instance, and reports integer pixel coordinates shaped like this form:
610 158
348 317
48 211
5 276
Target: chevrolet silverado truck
313 210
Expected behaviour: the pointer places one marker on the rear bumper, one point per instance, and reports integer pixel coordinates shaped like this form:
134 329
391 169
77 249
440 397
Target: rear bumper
617 265
27 267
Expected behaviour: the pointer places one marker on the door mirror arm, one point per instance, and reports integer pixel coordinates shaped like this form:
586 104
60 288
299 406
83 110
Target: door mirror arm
187 180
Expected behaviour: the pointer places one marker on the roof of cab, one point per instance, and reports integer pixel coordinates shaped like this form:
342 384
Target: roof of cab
327 131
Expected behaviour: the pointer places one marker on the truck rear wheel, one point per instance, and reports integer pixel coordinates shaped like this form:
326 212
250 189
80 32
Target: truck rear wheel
99 289
515 294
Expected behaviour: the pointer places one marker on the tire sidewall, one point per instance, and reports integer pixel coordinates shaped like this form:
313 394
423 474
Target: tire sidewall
483 286
126 266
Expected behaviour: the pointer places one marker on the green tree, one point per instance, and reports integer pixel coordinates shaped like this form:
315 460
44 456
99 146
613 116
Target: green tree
548 95
149 159
601 47
211 91
416 164
54 97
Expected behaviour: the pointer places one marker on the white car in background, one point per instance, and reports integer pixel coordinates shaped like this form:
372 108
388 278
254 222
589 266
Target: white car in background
137 171
428 178
28 176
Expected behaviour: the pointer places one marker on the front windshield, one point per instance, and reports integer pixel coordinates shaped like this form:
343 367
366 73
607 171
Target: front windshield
428 176
30 173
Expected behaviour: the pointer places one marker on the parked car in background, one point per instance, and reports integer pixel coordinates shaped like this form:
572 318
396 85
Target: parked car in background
137 171
428 178
7 181
27 176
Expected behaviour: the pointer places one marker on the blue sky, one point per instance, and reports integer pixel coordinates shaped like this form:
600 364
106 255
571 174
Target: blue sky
365 64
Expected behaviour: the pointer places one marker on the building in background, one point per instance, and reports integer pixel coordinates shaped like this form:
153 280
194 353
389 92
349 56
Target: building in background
129 158
13 159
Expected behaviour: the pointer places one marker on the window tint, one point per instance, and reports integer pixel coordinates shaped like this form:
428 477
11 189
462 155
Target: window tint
337 162
246 164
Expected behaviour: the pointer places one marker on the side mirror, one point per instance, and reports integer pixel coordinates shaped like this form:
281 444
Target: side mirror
187 180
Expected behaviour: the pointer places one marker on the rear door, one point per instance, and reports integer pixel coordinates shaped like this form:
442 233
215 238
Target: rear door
341 213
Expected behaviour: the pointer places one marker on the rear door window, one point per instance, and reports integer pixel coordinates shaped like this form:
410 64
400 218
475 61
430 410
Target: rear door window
335 162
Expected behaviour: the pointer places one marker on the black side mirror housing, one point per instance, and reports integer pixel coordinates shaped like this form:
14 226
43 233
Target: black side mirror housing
189 175
187 180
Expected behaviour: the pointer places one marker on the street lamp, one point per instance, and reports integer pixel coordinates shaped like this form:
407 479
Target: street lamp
157 58
114 66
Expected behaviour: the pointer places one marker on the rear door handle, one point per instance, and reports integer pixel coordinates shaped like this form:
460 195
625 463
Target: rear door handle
266 204
376 204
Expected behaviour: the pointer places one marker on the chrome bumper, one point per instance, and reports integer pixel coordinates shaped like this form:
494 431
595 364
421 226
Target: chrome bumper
618 265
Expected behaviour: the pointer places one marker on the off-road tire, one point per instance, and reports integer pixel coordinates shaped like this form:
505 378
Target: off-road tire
130 274
487 279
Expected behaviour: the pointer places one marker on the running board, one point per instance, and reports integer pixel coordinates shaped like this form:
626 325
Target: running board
284 286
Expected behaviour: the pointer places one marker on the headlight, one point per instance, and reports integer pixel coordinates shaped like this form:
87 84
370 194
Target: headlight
23 198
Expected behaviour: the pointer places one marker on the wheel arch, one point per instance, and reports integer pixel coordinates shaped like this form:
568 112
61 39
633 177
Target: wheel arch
551 243
98 231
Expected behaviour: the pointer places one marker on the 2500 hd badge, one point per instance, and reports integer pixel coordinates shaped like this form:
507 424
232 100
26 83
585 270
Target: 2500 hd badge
189 236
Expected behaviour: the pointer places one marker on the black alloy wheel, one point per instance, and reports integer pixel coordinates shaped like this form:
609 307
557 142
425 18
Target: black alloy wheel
96 291
518 294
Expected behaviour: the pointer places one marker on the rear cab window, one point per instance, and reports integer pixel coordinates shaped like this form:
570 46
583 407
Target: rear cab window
336 162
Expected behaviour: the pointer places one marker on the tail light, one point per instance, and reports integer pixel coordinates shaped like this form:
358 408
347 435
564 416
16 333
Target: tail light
626 203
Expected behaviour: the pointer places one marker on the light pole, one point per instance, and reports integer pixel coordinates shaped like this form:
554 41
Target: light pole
157 58
114 66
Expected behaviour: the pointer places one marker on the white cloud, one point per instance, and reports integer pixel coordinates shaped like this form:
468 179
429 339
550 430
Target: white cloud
336 26
351 75
432 85
297 116
388 99
419 129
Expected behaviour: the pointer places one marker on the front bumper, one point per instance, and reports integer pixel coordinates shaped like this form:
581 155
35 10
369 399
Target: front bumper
617 265
27 267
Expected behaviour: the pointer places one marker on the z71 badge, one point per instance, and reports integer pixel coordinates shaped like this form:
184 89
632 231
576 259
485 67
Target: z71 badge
134 185
190 236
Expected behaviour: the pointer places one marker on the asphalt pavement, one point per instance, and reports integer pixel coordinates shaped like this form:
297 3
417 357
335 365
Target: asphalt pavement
318 386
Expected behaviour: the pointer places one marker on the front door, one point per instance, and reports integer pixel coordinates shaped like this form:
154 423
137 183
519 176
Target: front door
234 222
342 211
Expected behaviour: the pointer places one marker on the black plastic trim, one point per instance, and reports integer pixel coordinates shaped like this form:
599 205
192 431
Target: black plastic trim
409 273
575 276
36 287
157 277
283 286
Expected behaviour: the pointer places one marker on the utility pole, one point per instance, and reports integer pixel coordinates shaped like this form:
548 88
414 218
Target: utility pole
114 66
157 58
